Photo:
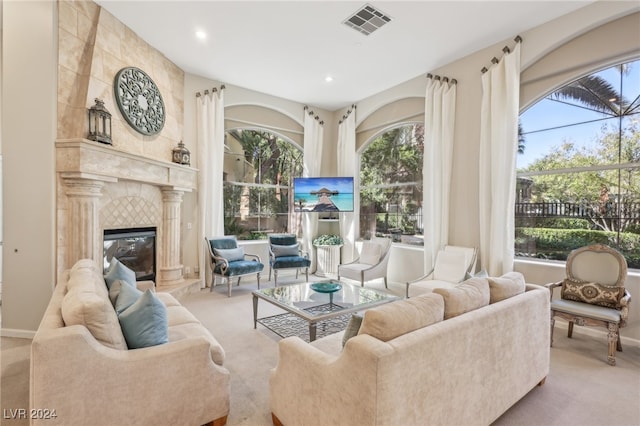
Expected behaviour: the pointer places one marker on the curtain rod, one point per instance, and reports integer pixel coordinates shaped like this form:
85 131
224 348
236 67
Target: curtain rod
214 90
349 111
505 50
444 79
311 113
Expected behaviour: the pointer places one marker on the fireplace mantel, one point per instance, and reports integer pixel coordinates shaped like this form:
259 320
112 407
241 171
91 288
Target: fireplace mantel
82 157
86 169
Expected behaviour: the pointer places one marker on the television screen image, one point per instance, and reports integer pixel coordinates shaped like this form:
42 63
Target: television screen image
323 194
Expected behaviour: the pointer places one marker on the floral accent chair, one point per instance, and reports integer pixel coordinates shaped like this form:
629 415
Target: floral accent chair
228 261
593 293
285 253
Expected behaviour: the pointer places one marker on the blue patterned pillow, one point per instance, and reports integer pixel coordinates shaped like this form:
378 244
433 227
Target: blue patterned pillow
145 322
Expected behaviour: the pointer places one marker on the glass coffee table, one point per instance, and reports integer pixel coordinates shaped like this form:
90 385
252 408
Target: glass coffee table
321 301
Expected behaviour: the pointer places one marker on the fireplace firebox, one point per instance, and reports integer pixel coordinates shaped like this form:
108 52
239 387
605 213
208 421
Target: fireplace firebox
135 248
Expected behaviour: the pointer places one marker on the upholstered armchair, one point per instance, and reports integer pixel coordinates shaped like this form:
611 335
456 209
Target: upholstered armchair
452 265
285 253
370 264
228 261
593 293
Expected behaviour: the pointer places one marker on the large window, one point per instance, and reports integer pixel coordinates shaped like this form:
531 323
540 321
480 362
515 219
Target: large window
391 185
579 167
259 167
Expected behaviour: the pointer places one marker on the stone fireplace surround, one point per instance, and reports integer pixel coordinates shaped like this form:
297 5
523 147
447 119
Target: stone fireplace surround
100 187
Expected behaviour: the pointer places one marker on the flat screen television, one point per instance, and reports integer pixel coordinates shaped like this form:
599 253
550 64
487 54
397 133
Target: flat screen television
323 194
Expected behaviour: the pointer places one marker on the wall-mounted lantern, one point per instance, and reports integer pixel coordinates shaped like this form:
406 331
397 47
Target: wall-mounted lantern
99 123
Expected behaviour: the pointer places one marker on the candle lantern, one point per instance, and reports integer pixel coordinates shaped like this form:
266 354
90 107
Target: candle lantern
181 154
99 123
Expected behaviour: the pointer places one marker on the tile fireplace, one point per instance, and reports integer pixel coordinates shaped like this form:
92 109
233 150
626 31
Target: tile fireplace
101 189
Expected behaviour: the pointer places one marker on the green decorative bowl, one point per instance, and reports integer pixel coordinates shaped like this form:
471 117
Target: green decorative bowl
327 287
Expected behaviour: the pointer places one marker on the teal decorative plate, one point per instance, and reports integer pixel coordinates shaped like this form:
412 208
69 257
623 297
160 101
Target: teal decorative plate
328 287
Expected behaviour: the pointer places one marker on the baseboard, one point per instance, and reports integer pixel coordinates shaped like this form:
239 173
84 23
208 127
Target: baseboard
596 332
21 334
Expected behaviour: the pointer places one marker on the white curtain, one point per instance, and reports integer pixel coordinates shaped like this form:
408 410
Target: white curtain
498 148
313 132
440 109
348 166
210 134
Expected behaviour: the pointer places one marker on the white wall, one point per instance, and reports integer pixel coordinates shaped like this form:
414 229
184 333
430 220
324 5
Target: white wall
29 63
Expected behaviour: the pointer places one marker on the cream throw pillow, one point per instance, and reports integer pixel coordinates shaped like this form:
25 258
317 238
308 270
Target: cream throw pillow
506 286
82 306
468 296
394 319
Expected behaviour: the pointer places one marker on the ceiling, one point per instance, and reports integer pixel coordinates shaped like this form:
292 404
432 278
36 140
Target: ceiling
288 48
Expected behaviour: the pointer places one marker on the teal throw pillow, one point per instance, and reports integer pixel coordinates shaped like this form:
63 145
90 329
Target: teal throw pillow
352 328
117 271
145 322
126 297
230 254
292 250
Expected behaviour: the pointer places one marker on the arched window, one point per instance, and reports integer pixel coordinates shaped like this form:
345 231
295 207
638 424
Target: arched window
391 184
578 179
259 167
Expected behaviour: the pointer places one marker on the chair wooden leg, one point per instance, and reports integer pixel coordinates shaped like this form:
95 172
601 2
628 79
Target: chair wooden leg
619 344
258 277
275 278
213 282
385 282
306 274
541 382
570 330
238 281
229 284
218 422
613 340
276 421
553 323
269 273
297 272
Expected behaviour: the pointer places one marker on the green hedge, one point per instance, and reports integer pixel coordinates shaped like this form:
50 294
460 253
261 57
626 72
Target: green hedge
556 244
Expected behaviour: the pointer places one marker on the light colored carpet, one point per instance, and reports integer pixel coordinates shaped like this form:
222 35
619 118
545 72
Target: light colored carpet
581 389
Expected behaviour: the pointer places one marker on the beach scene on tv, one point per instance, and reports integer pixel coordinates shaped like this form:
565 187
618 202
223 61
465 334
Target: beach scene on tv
323 194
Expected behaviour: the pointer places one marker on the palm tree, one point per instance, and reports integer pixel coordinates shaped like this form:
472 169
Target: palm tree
594 93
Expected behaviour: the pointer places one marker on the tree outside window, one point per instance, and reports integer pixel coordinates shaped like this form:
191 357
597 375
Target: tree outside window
391 185
259 167
579 167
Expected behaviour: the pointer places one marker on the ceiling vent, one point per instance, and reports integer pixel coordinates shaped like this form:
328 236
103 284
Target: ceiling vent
367 19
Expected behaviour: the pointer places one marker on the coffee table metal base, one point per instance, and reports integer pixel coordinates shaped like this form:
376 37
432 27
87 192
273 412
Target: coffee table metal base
298 300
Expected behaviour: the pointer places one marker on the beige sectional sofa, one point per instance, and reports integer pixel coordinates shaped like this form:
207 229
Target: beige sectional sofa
458 356
84 374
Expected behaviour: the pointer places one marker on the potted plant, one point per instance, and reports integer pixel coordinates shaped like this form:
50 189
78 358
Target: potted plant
328 240
328 251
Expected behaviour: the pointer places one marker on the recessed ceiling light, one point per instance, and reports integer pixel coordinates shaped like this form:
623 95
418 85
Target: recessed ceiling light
328 79
201 35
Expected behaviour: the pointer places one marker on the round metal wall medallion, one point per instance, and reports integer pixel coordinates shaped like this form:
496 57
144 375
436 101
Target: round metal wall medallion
139 100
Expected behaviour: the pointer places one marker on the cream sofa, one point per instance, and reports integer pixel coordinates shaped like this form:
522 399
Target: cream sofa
464 370
82 375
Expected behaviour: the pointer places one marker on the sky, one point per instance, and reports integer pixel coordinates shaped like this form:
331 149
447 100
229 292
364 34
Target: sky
547 114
